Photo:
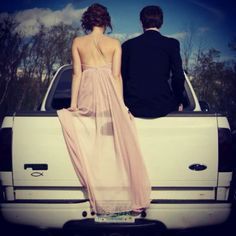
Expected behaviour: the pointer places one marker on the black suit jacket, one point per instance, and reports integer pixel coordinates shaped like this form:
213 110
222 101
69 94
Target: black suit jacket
149 61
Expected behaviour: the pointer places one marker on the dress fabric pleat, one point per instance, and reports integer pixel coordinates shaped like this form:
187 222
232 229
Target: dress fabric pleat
103 145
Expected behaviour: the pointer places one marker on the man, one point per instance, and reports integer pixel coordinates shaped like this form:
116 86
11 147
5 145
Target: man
148 62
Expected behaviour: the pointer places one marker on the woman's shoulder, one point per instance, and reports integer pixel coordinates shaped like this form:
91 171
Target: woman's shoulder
80 38
106 40
80 41
112 41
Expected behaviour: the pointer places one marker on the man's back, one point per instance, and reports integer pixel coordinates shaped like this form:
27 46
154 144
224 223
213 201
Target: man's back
148 62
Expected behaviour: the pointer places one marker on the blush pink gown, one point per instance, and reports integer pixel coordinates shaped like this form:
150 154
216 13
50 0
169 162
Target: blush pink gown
102 142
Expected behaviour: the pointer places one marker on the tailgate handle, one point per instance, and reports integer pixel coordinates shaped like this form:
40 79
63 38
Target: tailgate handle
197 167
36 166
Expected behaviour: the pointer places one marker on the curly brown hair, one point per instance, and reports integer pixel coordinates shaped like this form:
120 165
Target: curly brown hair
95 15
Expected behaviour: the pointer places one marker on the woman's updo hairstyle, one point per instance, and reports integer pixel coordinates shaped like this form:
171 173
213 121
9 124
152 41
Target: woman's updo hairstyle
95 15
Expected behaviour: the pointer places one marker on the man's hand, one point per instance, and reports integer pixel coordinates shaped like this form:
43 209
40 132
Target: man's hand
181 107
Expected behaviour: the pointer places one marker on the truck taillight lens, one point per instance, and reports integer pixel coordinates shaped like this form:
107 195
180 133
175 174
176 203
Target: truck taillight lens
225 150
6 149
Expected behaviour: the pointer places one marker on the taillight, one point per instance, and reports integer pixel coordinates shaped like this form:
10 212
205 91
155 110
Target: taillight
225 150
6 149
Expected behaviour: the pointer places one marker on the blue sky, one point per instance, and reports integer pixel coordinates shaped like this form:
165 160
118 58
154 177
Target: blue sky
212 20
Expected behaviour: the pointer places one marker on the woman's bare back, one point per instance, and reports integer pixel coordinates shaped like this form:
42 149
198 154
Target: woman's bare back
96 50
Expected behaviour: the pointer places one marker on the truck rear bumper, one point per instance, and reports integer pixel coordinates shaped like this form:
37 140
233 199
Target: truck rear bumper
88 225
173 216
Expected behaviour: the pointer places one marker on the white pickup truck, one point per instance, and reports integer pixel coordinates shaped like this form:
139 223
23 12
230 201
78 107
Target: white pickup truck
187 154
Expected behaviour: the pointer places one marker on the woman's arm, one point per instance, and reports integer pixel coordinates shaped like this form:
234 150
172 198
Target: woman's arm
116 68
76 76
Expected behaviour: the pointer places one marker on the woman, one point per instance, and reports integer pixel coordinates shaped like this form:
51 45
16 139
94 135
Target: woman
97 127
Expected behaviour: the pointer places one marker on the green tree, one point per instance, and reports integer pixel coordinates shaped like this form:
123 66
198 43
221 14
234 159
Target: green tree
57 47
47 50
27 65
215 82
12 52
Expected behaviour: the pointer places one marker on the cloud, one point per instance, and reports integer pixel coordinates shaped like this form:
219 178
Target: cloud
218 13
182 35
203 29
3 15
178 35
123 37
130 36
30 19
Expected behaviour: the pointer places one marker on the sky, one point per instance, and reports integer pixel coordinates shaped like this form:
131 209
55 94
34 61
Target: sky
212 22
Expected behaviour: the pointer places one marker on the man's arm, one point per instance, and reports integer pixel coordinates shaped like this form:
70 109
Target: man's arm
178 78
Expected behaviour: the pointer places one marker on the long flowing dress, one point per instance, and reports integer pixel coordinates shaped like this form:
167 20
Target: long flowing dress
103 145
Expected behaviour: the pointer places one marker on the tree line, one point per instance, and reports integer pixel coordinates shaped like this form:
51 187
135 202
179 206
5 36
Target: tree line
27 65
215 82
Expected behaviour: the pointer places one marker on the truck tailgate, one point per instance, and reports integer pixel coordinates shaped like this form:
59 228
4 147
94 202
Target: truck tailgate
179 150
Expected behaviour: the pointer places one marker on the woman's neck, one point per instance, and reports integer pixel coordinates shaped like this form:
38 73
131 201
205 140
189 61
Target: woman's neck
98 30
